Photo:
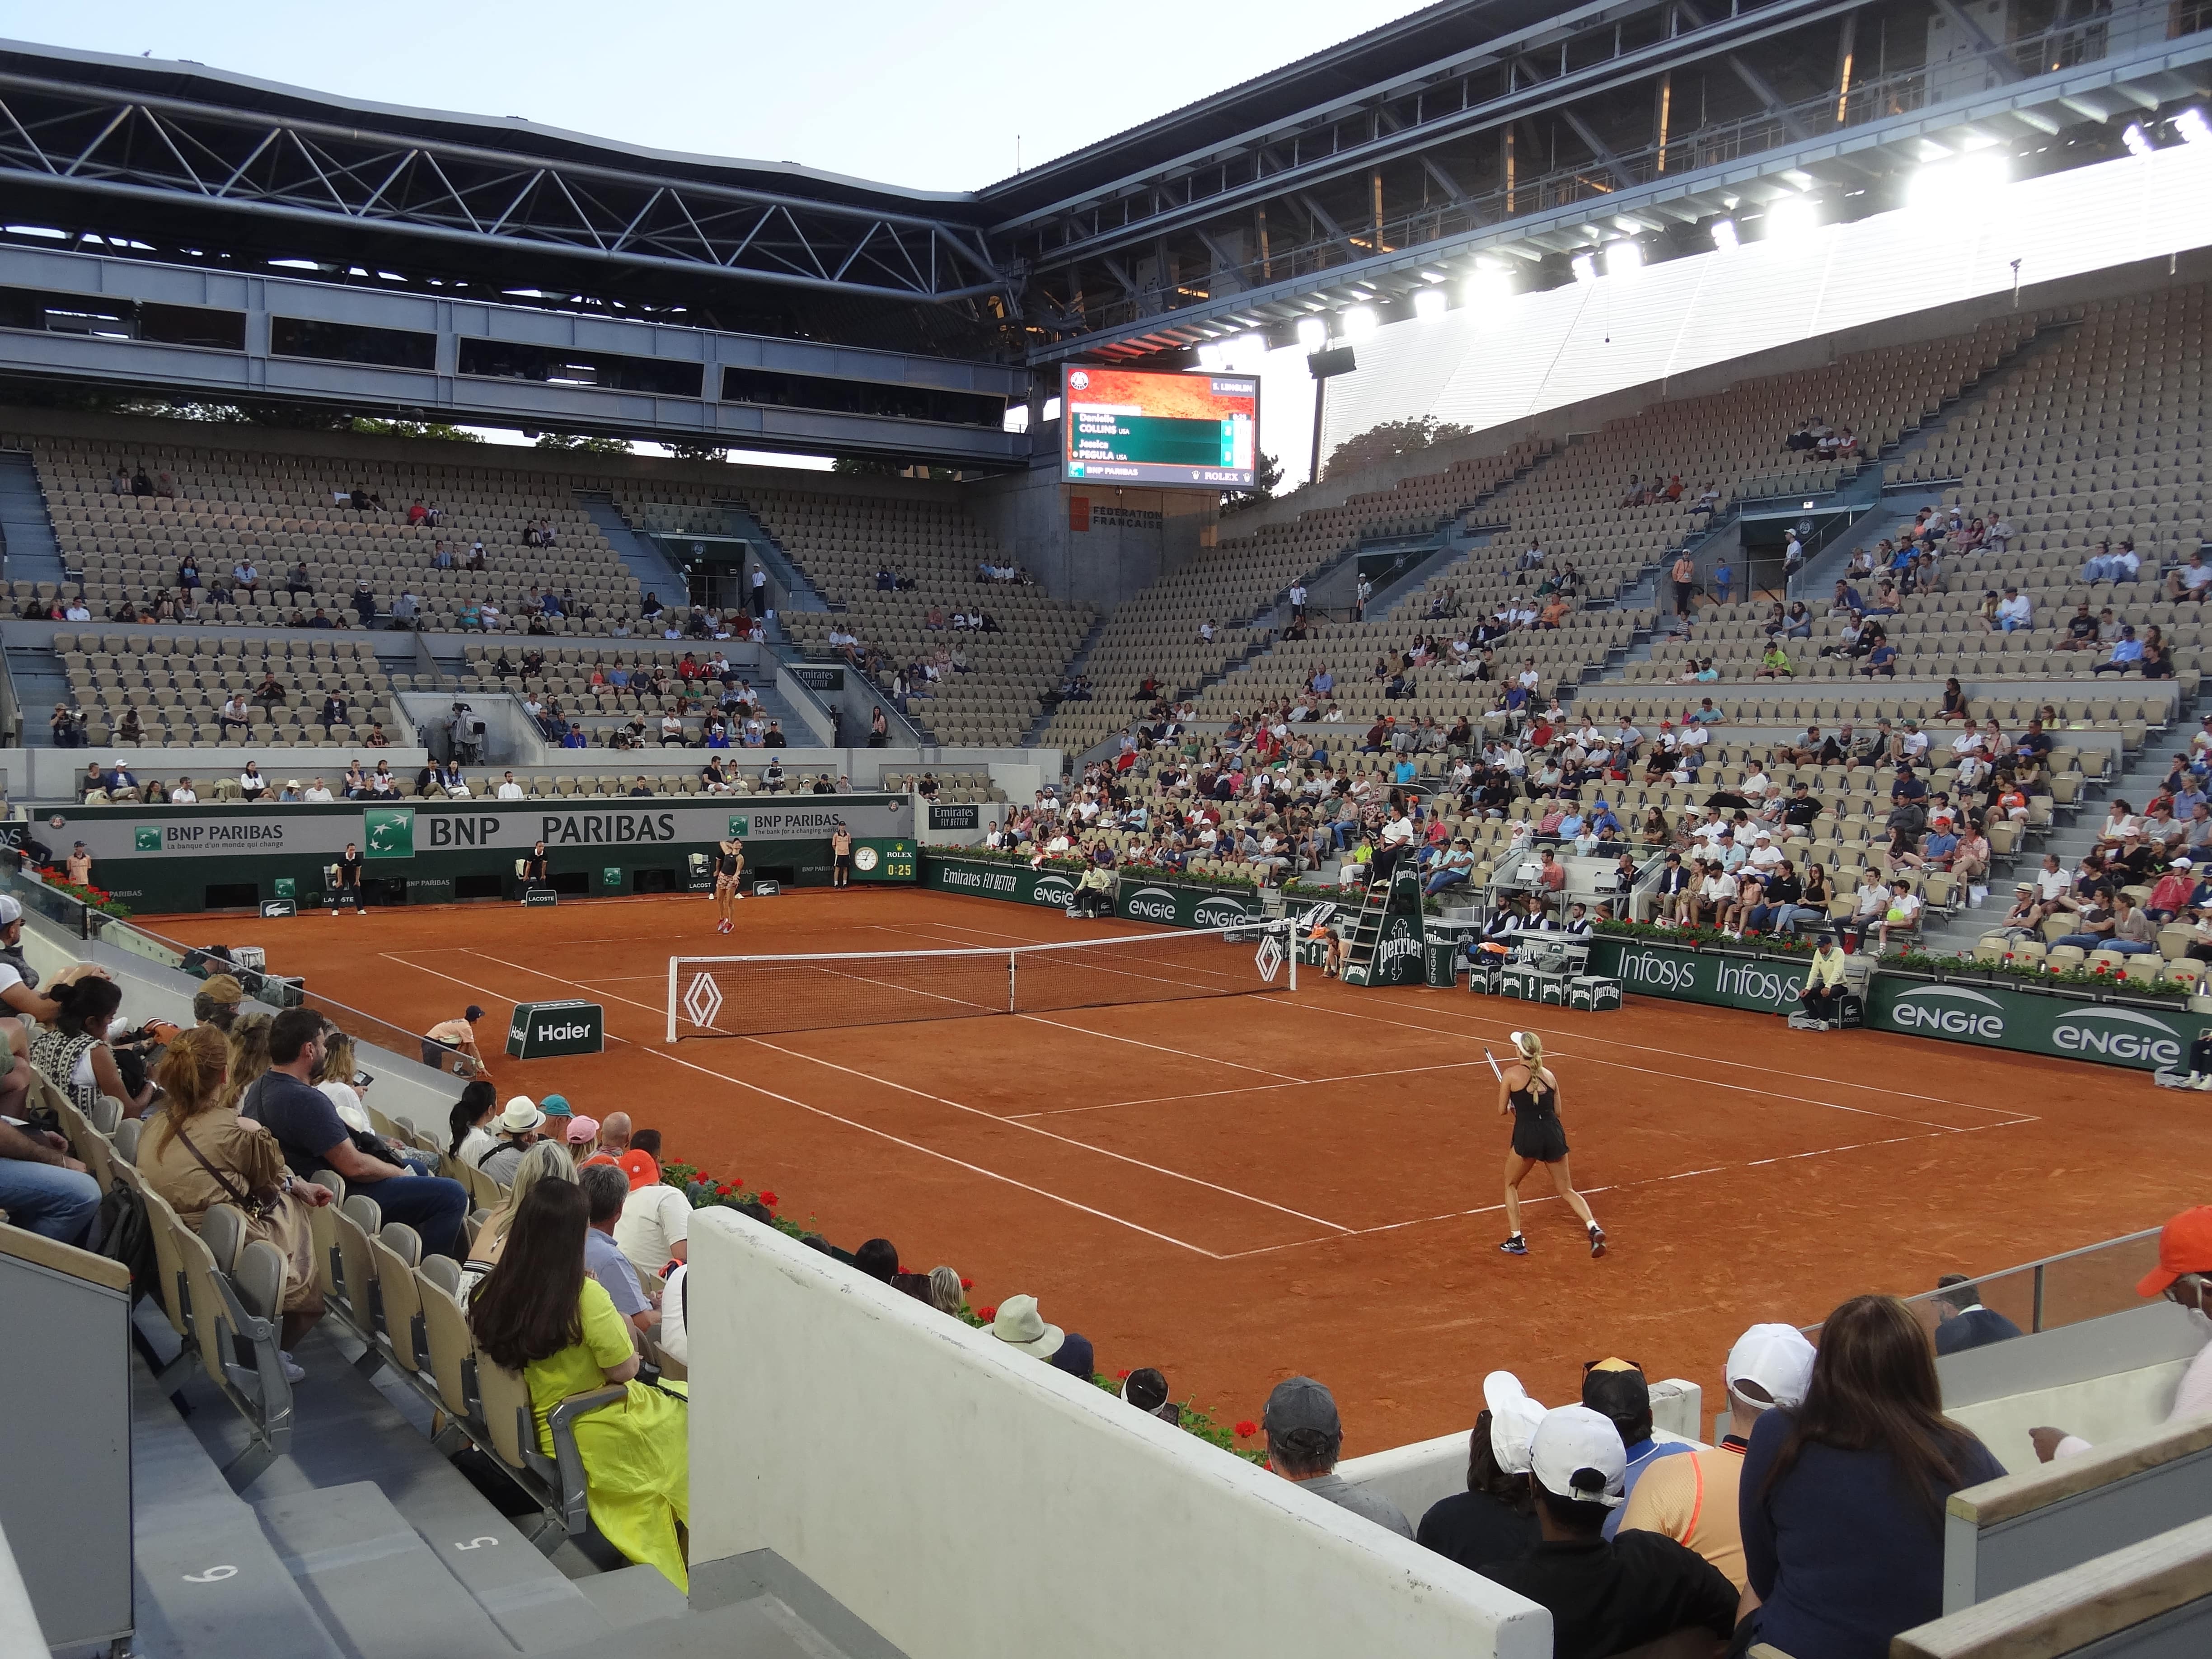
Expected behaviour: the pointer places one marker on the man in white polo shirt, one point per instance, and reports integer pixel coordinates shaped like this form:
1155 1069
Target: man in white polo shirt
656 1219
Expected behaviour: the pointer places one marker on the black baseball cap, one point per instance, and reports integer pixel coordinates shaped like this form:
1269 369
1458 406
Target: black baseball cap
1616 1389
472 1012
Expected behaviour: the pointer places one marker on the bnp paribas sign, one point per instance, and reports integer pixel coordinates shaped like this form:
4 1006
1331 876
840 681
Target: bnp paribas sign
388 832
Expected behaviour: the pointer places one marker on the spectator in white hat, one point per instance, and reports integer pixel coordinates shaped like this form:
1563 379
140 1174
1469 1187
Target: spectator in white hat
1304 1436
517 1127
1692 1499
1605 1597
1495 1518
1019 1325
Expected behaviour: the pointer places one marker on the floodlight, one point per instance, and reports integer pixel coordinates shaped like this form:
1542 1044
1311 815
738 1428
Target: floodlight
1313 333
2192 126
1965 182
1246 350
2137 140
1724 235
1360 321
1791 215
1489 287
1623 258
1585 267
1210 358
1428 303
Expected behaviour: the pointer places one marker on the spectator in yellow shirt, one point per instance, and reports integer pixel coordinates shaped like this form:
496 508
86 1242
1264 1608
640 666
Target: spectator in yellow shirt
1693 1499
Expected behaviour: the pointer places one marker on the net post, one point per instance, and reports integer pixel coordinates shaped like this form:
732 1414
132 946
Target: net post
1013 990
672 1001
1290 950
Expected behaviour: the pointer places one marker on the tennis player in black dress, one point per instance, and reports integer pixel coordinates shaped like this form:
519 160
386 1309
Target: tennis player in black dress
1526 1089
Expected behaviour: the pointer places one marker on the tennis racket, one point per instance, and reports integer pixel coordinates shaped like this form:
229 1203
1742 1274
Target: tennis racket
1494 1070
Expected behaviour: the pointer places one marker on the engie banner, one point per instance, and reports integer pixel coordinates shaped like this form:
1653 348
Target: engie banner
2148 1039
1136 900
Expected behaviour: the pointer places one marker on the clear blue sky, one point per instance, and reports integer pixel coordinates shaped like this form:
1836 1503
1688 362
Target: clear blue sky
929 97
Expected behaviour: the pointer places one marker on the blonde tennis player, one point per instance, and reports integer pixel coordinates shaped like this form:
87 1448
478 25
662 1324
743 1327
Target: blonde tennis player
1526 1089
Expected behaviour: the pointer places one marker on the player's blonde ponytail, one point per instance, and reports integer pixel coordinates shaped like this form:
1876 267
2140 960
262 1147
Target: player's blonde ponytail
1531 1050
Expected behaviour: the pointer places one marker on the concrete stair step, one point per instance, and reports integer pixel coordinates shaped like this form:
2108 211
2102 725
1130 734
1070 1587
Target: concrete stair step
207 1583
632 1595
373 1580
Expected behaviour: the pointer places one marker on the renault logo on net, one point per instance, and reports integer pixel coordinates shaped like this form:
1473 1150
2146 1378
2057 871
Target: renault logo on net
2117 1033
1152 904
1950 1011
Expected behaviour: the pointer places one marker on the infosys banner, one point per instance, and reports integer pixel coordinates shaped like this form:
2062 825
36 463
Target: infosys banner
1763 985
2148 1039
1182 907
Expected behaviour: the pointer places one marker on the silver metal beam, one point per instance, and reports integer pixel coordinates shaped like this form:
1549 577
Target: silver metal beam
2032 103
181 152
1606 159
443 393
1768 96
1988 50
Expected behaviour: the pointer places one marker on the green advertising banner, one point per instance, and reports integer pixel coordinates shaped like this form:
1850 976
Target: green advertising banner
998 879
1139 900
1764 985
388 832
2024 1022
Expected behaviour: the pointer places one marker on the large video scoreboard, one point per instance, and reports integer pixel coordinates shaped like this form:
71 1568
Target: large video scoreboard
1129 426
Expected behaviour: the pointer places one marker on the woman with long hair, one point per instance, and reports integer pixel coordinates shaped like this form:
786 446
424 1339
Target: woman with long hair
1842 1499
548 1160
72 1053
471 1112
540 1314
1527 1090
199 1152
249 1056
1495 1518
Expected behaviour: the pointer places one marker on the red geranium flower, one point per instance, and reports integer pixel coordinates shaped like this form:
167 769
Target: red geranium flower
722 1191
1247 1429
967 1284
987 1314
769 1198
1122 1375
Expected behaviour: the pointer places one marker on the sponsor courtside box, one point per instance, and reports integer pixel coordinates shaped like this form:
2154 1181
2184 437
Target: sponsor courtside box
984 1468
1597 995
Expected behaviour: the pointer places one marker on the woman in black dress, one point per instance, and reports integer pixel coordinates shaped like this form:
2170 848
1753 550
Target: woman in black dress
1526 1089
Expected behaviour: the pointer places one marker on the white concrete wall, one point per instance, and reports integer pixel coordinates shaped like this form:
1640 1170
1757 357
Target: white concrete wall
968 1502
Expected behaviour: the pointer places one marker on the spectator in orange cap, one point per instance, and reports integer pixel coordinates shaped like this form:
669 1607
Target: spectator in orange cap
2183 1276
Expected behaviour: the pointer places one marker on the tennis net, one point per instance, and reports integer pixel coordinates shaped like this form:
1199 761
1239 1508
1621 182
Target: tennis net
756 996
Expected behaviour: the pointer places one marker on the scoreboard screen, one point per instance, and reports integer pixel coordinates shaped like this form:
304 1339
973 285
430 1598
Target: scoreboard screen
1127 426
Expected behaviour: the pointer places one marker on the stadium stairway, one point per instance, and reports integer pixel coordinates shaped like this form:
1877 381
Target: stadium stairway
26 531
41 681
364 1542
640 557
803 593
1034 735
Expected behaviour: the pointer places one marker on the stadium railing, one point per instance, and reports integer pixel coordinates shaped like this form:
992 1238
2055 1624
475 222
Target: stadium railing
1173 1547
2004 1533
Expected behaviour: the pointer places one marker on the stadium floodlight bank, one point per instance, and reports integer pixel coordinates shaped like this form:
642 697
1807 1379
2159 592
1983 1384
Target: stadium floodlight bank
757 996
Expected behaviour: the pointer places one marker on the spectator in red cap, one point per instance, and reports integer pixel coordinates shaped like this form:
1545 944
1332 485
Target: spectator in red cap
2183 1276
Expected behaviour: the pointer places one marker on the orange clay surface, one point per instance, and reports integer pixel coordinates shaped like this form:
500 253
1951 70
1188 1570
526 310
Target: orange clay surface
1237 1190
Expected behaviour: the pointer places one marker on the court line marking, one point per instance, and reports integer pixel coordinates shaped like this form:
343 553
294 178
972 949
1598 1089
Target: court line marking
850 1123
1589 1037
1930 1130
977 1111
2004 1113
1250 1089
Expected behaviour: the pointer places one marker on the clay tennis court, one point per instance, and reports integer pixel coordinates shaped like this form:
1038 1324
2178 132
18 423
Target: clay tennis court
1236 1188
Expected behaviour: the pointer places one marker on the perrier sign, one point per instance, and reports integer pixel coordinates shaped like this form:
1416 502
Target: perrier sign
1395 958
388 832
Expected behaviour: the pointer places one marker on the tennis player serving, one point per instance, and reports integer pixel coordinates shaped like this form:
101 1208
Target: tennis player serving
729 868
1526 1089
